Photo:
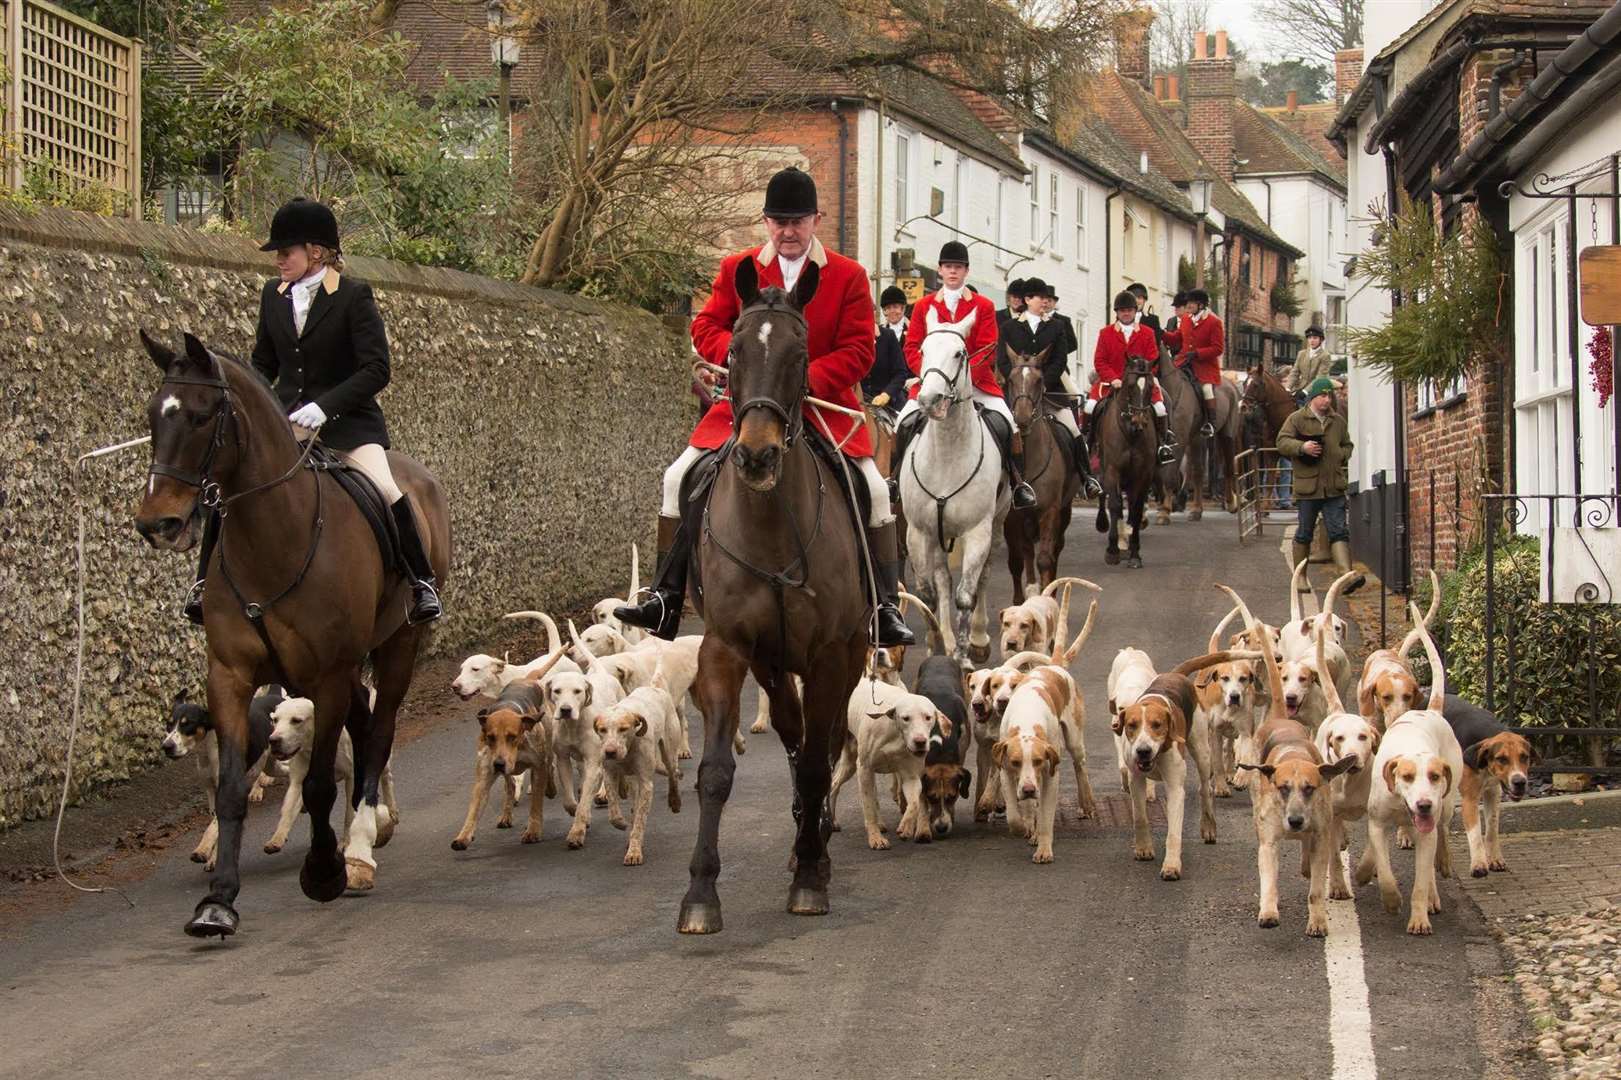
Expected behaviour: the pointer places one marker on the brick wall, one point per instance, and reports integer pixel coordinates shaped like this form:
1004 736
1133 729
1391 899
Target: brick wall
1347 73
1256 306
1131 46
1462 447
1474 89
1209 93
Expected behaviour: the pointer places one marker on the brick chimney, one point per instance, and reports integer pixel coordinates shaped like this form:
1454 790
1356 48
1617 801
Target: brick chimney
1347 73
1131 46
1291 101
1210 94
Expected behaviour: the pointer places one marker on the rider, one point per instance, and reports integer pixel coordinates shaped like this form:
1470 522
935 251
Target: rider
839 321
1128 337
885 385
1039 329
321 345
1200 340
1144 316
1015 304
951 304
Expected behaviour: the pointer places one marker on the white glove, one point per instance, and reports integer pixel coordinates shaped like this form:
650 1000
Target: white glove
309 416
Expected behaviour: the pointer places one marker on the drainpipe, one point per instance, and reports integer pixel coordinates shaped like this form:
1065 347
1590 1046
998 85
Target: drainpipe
1268 185
878 213
844 153
1108 241
1494 96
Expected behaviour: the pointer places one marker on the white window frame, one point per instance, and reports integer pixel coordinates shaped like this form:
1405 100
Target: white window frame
1080 225
903 175
1033 187
1543 398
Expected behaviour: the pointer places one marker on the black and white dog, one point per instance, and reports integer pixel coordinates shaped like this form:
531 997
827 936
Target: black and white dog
191 732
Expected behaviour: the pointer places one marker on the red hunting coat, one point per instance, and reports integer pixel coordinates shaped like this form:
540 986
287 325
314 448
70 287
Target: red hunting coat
982 337
1208 340
839 318
1109 358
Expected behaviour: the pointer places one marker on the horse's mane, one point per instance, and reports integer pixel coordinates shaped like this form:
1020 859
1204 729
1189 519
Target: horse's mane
247 381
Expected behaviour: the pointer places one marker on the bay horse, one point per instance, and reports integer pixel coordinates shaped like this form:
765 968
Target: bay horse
1266 404
296 553
777 587
1035 537
1127 445
1185 410
952 492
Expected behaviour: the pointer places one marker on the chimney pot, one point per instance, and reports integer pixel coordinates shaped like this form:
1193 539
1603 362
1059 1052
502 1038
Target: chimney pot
1221 44
1199 45
1292 102
1173 88
1159 87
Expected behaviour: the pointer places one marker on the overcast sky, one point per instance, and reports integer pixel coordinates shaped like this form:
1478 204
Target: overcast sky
1241 20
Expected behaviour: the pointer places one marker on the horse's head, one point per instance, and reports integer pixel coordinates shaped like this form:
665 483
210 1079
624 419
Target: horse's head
768 371
1254 388
1135 397
945 379
1026 386
189 414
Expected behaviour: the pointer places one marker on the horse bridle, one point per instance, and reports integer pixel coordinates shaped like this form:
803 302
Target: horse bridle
968 358
794 425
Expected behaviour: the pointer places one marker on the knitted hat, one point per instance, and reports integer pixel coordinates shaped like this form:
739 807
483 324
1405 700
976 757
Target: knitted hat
1320 385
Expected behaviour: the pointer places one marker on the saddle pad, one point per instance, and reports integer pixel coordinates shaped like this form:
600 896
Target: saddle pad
1066 441
368 499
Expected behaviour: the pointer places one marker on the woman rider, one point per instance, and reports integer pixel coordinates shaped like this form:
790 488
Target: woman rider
321 345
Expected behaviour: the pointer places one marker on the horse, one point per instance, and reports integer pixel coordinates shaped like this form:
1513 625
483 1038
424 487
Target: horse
1185 410
1035 537
952 492
776 588
880 425
1126 443
1266 405
298 593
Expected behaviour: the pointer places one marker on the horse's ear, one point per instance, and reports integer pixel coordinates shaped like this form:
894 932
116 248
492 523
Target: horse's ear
198 354
747 280
805 287
1041 357
932 320
160 353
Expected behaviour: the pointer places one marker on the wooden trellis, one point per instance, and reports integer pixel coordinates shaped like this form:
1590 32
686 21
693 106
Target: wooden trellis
73 99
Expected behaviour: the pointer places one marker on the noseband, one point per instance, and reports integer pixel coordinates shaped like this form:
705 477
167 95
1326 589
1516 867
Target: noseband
793 423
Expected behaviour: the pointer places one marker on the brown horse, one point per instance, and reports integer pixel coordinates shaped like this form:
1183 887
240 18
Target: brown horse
779 594
1126 443
1186 414
1265 397
881 430
296 553
1035 537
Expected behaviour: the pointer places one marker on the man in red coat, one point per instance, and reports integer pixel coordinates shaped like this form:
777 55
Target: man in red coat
1128 336
953 303
1200 339
839 321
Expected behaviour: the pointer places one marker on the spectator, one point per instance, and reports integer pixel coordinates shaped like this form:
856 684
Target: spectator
1316 440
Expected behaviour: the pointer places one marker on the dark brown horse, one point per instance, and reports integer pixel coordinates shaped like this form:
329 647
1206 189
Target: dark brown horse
296 552
1035 537
779 593
1265 397
1184 404
1126 444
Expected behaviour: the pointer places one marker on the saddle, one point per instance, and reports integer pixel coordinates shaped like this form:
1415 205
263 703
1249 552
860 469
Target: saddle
368 499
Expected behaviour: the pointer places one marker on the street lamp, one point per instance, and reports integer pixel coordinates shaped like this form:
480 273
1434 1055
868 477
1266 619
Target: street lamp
504 55
1199 199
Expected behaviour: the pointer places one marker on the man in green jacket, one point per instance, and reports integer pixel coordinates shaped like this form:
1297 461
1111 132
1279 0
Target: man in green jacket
1317 441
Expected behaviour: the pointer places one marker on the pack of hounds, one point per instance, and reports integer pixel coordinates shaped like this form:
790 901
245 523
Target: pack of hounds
1277 711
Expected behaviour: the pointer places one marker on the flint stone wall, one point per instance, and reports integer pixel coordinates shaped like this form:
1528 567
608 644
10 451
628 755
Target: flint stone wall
548 418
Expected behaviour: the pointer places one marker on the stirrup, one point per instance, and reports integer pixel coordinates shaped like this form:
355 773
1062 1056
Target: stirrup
425 605
1207 429
1091 486
1166 453
892 629
193 609
655 614
1024 496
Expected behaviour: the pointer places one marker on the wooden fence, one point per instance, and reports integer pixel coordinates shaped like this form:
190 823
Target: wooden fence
72 101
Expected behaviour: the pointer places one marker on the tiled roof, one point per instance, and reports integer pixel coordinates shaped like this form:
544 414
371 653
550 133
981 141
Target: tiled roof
1311 123
931 101
1263 145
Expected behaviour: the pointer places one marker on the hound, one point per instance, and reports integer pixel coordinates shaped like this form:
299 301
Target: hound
1344 736
1155 729
484 675
945 776
512 740
1291 799
1388 688
1420 764
1226 713
888 732
1303 676
635 732
1129 676
602 612
573 701
988 692
292 743
191 731
1032 626
1496 762
1296 636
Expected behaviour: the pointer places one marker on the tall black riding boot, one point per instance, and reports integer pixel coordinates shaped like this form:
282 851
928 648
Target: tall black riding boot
659 612
883 543
194 599
425 606
903 437
1208 428
1083 457
1167 442
1024 496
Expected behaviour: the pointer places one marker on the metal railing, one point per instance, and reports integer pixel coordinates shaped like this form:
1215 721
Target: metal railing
1264 488
72 103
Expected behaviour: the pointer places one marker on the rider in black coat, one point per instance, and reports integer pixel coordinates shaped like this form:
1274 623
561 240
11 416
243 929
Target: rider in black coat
885 385
321 345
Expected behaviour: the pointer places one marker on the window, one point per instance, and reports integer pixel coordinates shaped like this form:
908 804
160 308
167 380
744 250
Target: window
1247 345
1244 261
1035 206
1080 224
1053 238
903 175
1544 456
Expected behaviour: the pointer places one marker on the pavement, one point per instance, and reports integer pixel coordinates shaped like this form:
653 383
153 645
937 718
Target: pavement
953 959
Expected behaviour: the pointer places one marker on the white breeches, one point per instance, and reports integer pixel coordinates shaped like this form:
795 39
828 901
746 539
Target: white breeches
371 459
1208 390
1067 418
1068 384
991 402
1159 407
866 468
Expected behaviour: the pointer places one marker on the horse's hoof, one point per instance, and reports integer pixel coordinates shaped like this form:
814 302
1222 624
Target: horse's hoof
323 883
979 654
1112 558
1195 515
699 918
361 877
212 919
803 900
385 828
1134 563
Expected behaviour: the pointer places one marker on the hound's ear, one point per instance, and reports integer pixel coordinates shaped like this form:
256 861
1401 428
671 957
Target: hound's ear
1116 724
999 753
161 354
945 724
483 714
1264 770
965 783
599 727
199 356
1053 759
1473 754
1329 772
641 725
530 720
1390 774
805 287
180 695
747 280
590 691
1446 770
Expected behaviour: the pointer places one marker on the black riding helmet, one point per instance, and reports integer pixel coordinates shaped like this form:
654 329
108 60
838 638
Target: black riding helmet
1125 301
303 221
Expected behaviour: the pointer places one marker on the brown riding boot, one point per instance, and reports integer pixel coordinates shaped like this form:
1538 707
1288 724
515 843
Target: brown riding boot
1341 550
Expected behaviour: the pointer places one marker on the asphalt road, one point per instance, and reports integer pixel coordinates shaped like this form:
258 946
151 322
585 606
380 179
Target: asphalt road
952 959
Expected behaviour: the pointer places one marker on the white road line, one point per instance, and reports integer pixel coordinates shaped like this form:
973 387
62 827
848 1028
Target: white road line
1350 1022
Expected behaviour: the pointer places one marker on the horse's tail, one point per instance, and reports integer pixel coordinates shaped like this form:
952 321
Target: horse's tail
1103 515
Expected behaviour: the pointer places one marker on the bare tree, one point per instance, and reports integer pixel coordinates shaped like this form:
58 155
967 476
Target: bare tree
1175 24
1313 29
